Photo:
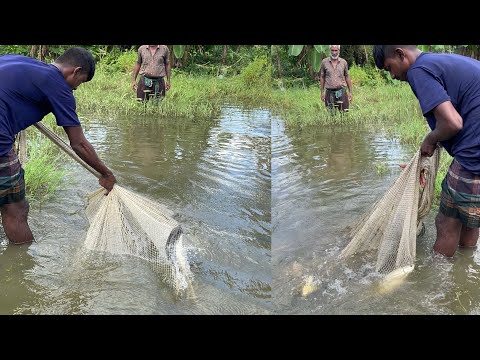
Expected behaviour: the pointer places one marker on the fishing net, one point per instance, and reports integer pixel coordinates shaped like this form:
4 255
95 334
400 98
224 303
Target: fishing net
391 224
127 223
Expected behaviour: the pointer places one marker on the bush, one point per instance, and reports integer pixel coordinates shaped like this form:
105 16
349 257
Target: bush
367 76
15 49
258 73
126 61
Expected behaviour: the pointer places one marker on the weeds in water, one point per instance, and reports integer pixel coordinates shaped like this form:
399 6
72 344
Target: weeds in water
381 168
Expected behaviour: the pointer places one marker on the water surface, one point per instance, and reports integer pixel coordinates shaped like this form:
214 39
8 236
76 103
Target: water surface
214 175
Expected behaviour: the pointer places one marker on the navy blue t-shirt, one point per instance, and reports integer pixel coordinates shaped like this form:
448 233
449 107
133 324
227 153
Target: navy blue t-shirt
29 90
436 78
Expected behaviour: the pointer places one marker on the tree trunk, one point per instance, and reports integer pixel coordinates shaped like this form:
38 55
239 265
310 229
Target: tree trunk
172 56
43 52
185 56
301 56
279 65
33 50
224 57
39 51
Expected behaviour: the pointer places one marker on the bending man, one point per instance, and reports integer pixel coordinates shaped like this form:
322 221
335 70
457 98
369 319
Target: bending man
447 87
29 90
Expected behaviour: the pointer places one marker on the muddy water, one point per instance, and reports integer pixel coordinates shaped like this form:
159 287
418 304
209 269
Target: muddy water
215 176
322 180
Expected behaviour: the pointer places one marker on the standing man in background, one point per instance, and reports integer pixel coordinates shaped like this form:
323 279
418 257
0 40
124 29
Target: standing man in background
153 64
334 79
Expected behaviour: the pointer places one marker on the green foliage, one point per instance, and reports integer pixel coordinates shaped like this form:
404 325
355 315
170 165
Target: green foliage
321 49
439 48
366 76
15 49
178 50
310 64
295 50
411 132
43 170
125 62
196 97
381 168
315 54
354 54
293 72
43 174
316 60
258 73
208 59
383 104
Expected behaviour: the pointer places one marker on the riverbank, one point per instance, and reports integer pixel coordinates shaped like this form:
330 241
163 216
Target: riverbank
197 97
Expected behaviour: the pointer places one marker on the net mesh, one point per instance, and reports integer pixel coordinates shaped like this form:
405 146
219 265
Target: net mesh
391 224
126 223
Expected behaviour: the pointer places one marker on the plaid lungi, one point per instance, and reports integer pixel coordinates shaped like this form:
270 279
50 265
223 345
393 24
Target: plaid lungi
460 197
12 184
156 86
332 98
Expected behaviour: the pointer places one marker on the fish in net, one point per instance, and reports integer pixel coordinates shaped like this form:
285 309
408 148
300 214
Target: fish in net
391 224
126 223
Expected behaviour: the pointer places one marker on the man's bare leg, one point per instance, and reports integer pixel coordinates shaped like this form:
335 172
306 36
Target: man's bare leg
448 235
15 225
468 237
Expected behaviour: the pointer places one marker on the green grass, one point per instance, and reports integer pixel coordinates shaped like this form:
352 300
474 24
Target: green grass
381 168
412 133
193 97
381 104
44 171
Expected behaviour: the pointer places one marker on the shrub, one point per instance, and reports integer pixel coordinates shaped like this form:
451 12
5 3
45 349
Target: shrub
257 73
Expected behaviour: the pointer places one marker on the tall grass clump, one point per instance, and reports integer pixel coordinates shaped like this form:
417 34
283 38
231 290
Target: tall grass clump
44 172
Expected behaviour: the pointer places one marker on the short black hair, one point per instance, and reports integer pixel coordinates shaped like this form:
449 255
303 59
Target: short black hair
79 57
380 52
379 56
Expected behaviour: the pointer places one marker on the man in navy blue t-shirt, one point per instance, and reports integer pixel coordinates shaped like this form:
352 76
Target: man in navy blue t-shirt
29 90
448 89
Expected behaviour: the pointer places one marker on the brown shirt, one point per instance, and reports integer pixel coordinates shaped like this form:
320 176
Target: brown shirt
334 77
153 65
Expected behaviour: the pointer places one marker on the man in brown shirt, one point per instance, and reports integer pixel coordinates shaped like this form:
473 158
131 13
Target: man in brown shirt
153 64
334 79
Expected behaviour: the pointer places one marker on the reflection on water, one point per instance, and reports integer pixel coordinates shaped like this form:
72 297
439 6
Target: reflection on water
215 176
322 180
